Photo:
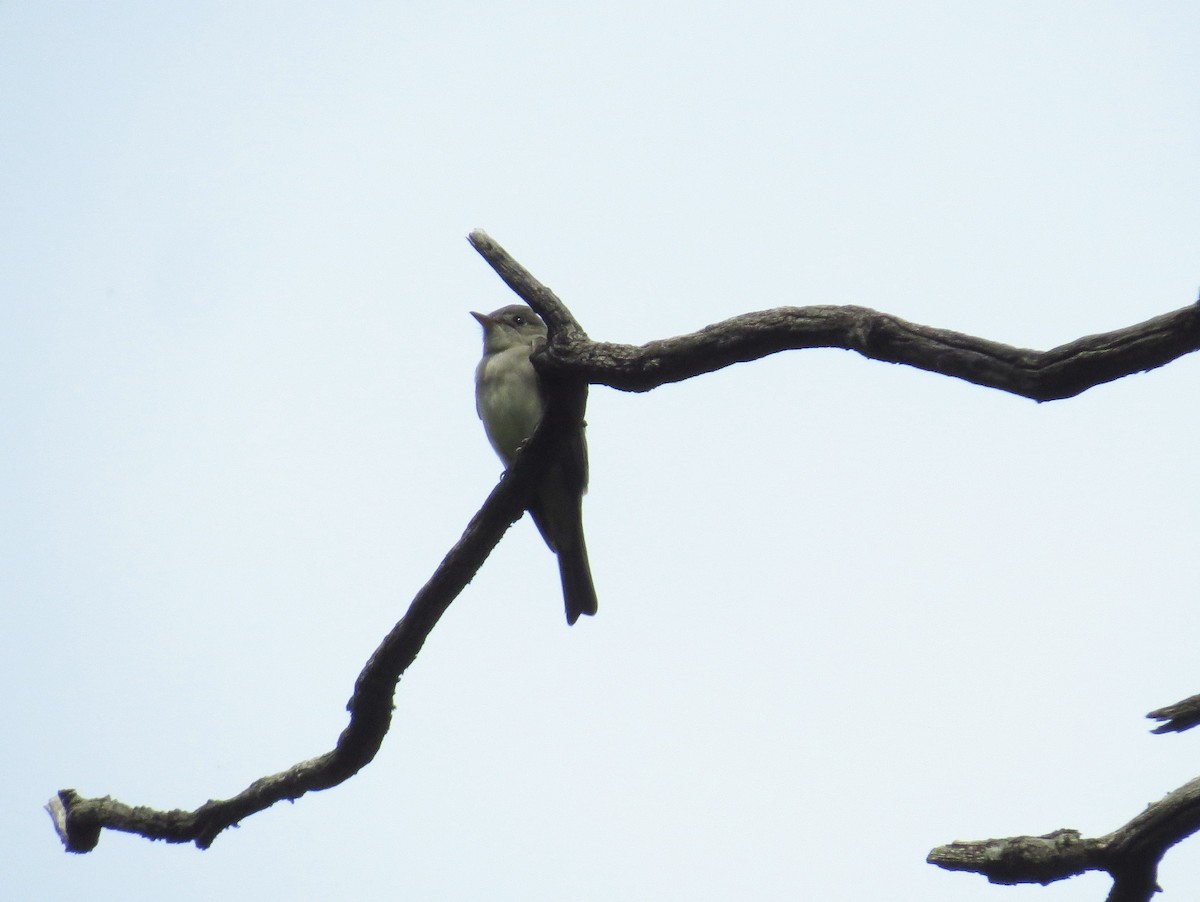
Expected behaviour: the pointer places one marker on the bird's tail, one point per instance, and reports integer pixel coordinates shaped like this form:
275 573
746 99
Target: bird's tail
579 595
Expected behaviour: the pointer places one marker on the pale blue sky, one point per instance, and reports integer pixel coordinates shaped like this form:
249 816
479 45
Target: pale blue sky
849 611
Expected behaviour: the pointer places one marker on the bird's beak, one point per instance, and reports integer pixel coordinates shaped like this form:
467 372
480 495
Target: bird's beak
484 320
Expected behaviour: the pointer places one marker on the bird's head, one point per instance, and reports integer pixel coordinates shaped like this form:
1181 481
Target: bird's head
511 326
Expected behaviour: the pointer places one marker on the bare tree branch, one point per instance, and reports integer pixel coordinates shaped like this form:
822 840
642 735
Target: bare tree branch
80 820
1062 372
1022 859
559 320
1179 717
1130 854
574 361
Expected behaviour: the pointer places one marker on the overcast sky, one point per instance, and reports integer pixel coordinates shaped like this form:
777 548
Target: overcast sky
848 611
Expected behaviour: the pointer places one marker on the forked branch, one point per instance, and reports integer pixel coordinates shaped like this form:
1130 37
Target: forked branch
574 361
1177 717
1061 372
1129 854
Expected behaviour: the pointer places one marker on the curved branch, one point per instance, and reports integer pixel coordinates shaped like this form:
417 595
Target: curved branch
1062 372
79 821
1130 854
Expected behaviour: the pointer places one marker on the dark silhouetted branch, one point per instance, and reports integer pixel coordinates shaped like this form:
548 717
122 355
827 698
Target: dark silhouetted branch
1130 854
80 820
574 362
1062 372
1179 717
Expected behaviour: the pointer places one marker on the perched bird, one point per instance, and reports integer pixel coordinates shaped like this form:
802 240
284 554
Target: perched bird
508 398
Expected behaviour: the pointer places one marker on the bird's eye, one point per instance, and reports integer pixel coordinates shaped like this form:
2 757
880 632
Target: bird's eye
519 320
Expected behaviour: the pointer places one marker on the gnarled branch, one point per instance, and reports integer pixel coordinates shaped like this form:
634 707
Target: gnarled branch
1061 372
79 820
1177 717
575 361
1129 854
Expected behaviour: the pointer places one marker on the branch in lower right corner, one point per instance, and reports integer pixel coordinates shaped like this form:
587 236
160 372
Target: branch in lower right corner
1130 854
1021 859
1178 717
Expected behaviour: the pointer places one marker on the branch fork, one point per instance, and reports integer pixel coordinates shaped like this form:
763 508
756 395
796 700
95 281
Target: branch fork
573 361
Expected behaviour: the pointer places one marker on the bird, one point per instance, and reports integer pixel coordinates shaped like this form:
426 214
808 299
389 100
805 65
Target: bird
510 401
